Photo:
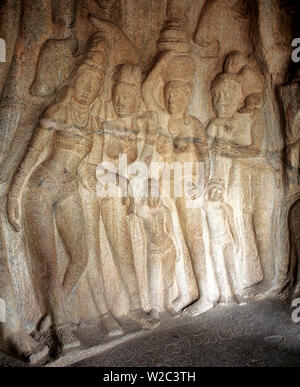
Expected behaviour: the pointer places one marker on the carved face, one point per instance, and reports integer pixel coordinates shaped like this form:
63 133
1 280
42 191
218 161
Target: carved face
176 96
227 97
215 194
126 99
87 88
153 194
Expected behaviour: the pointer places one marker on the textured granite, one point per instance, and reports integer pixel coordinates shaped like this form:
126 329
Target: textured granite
253 335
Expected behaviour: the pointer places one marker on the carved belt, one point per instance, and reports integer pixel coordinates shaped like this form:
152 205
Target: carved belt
162 249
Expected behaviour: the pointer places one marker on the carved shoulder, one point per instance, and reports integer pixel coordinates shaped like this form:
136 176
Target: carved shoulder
56 112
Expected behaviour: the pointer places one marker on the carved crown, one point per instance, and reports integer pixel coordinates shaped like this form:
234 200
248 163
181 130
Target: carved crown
97 55
129 73
216 182
180 68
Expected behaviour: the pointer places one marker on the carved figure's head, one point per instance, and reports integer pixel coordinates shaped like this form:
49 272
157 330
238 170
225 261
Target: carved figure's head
215 190
176 97
87 87
89 77
126 92
227 95
153 193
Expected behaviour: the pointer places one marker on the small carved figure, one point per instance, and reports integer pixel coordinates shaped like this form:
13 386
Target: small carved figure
221 247
161 253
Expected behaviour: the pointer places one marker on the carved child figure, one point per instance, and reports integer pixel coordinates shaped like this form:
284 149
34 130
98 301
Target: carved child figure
161 252
221 243
219 224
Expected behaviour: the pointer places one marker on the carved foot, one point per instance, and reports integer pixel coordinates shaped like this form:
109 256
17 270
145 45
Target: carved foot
111 325
250 293
145 319
64 337
198 307
26 348
231 300
172 312
260 293
154 313
58 337
273 293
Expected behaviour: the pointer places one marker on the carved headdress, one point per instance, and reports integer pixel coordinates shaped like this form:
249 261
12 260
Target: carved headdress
180 68
96 59
216 182
246 72
130 74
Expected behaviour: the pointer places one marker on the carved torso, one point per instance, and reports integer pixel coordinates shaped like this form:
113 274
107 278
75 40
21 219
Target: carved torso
154 222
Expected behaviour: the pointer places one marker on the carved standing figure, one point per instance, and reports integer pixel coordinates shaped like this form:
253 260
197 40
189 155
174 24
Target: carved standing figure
158 228
238 135
180 139
123 137
221 246
49 193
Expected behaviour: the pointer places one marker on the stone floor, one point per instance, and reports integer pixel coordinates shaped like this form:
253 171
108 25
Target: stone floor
258 334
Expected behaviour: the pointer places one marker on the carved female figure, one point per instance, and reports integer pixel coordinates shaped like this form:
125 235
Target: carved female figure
49 193
123 136
181 139
238 135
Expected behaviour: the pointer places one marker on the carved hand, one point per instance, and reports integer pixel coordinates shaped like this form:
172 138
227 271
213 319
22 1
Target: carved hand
161 144
87 176
194 192
180 145
13 211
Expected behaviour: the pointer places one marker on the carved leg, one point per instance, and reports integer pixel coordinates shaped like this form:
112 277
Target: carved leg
40 225
196 250
264 224
201 271
222 274
249 270
154 278
71 226
228 252
168 273
118 234
150 321
95 277
13 338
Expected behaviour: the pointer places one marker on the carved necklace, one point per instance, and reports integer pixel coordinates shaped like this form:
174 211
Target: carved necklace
80 114
177 125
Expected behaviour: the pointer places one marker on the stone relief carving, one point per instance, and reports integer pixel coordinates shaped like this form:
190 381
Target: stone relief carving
157 227
66 130
239 138
220 245
110 121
